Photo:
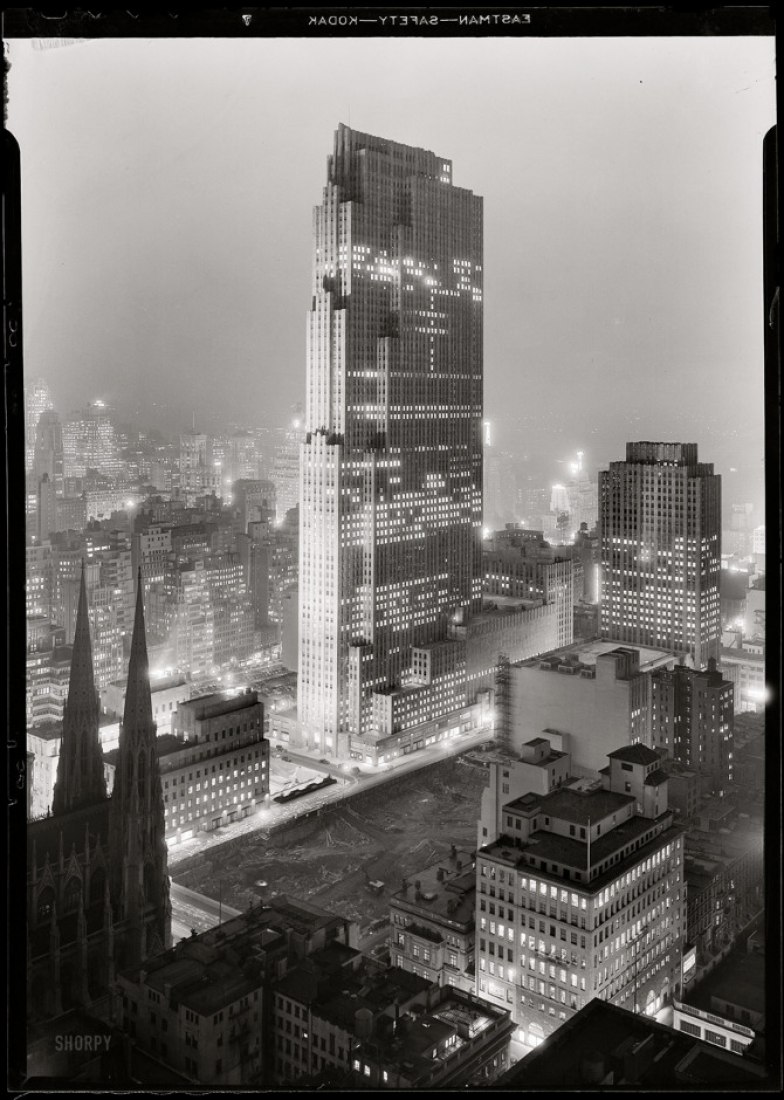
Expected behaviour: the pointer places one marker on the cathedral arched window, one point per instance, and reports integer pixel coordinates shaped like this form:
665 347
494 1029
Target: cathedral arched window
97 885
45 904
73 891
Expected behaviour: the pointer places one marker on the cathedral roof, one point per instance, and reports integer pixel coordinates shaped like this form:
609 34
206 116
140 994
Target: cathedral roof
45 834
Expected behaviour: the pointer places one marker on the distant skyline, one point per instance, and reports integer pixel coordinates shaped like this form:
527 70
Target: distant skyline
168 189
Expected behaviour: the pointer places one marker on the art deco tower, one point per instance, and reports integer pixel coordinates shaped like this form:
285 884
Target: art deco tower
660 546
391 469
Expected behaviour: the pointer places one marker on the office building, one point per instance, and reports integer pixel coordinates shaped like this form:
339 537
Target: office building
48 454
37 400
214 766
38 580
660 544
90 443
432 923
184 616
743 664
692 720
582 895
285 470
198 473
391 466
47 672
724 875
519 563
587 700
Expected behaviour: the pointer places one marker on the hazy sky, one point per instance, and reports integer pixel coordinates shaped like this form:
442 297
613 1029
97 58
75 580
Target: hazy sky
168 188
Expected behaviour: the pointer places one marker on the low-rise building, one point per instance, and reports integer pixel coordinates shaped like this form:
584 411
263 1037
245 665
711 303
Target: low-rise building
461 1041
432 923
724 876
341 1017
603 1046
727 1007
204 1007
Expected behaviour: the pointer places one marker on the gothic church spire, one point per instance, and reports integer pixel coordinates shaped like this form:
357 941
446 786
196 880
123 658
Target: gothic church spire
80 774
137 845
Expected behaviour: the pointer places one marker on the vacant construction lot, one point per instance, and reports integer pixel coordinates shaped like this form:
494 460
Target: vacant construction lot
388 834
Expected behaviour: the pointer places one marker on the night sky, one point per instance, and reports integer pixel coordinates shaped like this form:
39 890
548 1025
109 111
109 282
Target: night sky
167 196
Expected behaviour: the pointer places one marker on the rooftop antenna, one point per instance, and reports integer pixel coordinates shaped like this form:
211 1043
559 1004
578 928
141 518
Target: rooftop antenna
194 421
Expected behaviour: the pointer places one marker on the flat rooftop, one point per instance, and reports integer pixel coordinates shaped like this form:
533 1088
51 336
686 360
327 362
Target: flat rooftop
575 806
586 653
450 898
503 605
568 852
603 1040
739 979
212 706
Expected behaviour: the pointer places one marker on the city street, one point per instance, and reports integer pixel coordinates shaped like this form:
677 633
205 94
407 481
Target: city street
193 910
274 813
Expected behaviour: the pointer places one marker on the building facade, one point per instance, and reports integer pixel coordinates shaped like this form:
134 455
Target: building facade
205 1006
214 766
432 923
582 895
660 544
692 720
594 707
391 466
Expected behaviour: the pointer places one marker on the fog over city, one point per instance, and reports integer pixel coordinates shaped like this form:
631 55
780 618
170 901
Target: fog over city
167 185
394 710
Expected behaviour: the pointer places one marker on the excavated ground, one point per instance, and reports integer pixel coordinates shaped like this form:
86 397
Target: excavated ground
385 835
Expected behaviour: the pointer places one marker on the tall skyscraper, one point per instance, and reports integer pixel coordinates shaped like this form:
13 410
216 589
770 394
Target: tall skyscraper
48 451
660 545
285 470
391 466
37 400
